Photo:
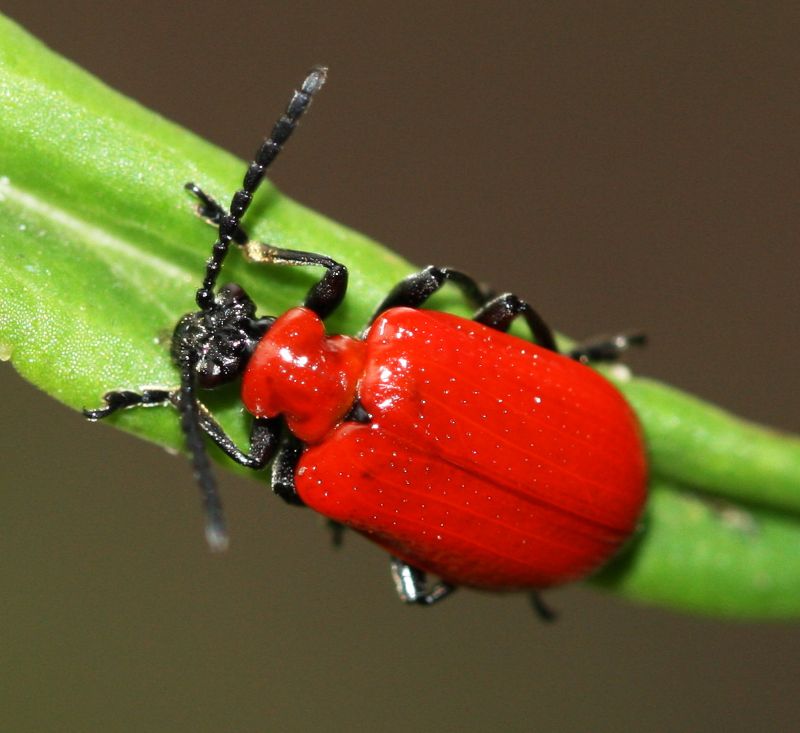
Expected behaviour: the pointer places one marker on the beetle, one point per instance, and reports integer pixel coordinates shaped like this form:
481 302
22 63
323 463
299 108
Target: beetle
480 457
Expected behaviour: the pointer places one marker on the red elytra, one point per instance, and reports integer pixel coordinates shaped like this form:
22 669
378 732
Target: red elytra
488 460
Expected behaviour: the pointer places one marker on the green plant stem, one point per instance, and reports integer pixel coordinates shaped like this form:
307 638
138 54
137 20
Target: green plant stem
697 444
690 544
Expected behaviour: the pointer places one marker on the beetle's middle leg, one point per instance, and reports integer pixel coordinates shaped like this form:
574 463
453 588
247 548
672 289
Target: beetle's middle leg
412 586
500 312
284 468
495 311
414 290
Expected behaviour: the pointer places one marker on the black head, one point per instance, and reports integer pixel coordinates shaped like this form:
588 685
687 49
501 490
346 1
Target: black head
218 341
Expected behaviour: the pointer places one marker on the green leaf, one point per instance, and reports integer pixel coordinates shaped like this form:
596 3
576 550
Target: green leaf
101 256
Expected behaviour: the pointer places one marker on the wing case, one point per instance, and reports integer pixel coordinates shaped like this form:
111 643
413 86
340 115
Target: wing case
488 460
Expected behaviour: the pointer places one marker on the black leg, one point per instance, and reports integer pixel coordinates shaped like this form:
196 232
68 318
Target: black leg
497 312
264 434
606 349
212 211
414 290
122 399
337 530
283 470
543 611
501 312
323 297
412 587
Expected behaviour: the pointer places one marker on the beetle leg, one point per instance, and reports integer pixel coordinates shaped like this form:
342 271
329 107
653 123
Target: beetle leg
606 349
337 530
414 290
500 312
123 398
497 312
412 587
543 611
212 211
263 433
323 298
264 436
283 470
325 295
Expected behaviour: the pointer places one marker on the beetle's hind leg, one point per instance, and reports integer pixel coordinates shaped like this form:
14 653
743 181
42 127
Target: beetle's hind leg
606 349
336 531
543 611
412 586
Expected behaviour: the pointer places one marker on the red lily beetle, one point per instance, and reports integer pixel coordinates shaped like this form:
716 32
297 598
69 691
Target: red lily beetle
488 460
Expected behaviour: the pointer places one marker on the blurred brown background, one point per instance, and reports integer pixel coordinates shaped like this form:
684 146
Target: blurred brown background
621 165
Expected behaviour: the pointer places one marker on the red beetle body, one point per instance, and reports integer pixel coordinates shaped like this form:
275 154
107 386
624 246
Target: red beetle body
487 460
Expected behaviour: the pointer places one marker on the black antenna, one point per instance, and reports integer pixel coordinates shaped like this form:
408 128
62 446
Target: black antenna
266 154
216 533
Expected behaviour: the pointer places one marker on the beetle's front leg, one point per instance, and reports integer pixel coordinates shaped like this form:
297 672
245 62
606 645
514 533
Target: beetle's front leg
124 398
326 294
323 297
212 211
412 587
264 433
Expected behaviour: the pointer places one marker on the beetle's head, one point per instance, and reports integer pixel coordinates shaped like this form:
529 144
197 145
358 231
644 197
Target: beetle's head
220 339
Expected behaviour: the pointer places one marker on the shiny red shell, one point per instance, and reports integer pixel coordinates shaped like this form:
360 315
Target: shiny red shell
488 460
